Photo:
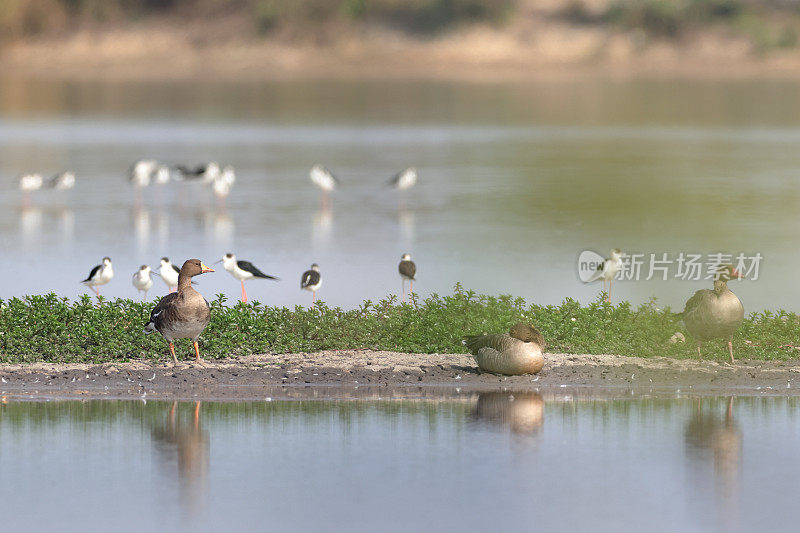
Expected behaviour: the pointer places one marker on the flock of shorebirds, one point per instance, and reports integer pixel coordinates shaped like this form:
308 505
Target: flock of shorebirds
184 313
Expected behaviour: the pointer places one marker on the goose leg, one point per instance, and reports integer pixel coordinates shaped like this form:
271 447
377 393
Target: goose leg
197 353
730 349
244 294
172 351
699 355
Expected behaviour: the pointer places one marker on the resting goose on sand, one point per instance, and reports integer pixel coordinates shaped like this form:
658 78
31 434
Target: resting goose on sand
99 275
517 352
718 313
311 280
243 270
183 314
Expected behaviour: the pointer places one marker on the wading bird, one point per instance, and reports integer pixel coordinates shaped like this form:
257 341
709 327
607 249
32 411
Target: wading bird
243 270
62 181
205 173
325 180
30 182
607 270
407 269
405 179
517 352
169 273
141 171
183 314
311 281
100 275
713 314
143 280
161 175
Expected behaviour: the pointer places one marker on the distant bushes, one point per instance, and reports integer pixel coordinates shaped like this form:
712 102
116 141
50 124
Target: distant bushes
21 18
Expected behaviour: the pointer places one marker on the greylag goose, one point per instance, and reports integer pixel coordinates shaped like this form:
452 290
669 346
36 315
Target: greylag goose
405 179
517 352
607 271
183 314
407 269
99 275
142 279
718 313
311 281
243 270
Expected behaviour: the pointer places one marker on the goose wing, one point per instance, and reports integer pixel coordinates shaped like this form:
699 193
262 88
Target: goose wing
162 312
498 342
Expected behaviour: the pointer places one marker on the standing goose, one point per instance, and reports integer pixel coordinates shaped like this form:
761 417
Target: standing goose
405 179
407 269
718 313
183 314
243 270
517 352
311 281
607 271
99 275
143 280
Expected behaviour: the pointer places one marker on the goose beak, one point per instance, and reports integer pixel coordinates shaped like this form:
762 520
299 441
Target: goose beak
737 274
204 268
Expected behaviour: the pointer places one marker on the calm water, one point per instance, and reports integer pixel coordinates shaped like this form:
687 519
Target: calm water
490 461
515 181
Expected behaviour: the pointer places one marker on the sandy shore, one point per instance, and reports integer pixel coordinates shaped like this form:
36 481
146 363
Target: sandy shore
351 374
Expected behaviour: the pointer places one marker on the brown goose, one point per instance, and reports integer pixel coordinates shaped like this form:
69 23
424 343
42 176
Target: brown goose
713 314
517 352
183 314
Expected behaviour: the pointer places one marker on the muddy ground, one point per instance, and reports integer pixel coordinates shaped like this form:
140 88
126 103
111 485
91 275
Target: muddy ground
346 374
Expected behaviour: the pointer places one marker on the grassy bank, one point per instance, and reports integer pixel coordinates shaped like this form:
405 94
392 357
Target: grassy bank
53 329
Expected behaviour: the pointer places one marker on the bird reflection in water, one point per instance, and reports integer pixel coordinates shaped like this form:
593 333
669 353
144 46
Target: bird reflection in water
322 225
711 438
405 219
30 225
521 412
184 442
219 227
141 227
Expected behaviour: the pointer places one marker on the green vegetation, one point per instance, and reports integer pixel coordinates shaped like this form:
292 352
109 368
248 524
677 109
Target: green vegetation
49 328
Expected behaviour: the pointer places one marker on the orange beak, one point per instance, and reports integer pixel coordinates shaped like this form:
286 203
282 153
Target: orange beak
204 268
737 274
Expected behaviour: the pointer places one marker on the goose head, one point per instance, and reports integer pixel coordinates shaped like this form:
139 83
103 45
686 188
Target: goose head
526 333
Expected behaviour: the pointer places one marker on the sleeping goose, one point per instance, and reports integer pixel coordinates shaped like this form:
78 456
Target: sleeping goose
517 352
718 313
183 314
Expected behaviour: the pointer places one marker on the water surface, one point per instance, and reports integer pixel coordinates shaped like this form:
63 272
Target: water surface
515 181
500 461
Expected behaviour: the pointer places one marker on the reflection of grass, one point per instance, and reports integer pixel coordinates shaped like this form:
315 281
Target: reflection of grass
47 328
